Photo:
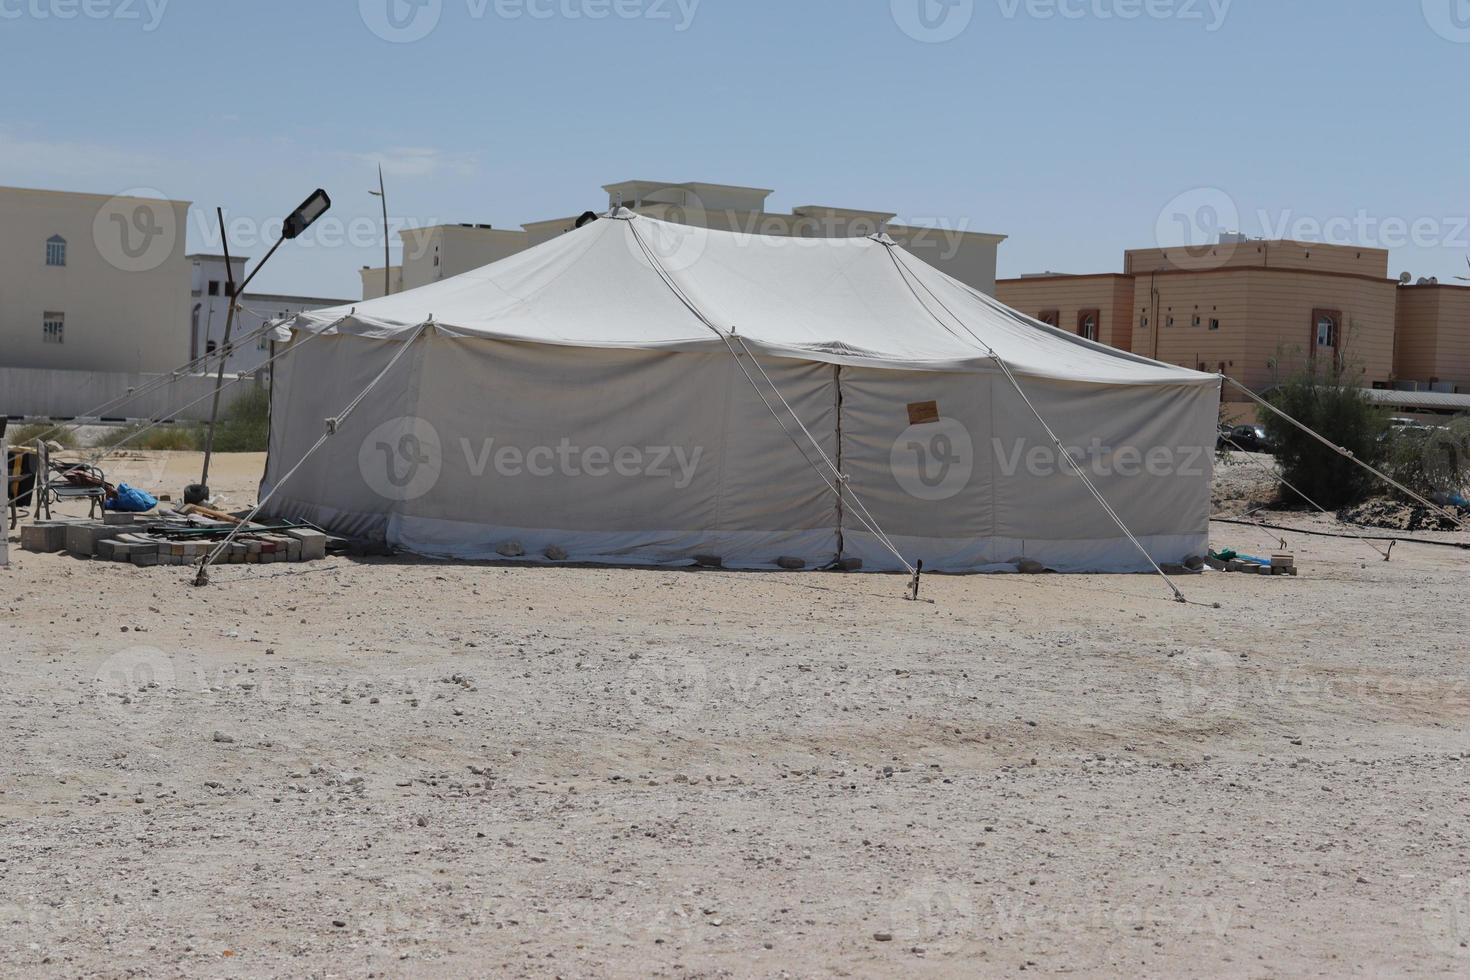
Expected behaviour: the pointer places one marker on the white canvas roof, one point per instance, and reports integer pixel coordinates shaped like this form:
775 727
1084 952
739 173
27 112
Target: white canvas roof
858 301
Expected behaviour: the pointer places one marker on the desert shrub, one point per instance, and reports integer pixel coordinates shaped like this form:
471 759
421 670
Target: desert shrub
176 438
24 435
1332 403
1431 460
247 426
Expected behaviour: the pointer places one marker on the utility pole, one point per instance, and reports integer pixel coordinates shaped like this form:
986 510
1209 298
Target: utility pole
382 193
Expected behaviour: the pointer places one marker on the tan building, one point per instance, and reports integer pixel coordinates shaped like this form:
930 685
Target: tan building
1098 307
1433 340
431 254
373 284
92 282
1254 310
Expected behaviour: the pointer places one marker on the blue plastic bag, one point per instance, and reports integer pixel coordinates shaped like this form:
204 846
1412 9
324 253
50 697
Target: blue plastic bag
131 500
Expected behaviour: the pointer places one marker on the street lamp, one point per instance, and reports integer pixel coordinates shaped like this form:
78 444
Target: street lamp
296 222
382 192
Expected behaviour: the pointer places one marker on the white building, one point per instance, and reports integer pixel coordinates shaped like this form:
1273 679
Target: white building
92 282
210 287
442 251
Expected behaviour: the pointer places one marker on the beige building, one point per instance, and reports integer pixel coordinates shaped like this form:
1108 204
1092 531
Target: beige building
1098 307
1255 310
92 282
1432 345
431 254
373 284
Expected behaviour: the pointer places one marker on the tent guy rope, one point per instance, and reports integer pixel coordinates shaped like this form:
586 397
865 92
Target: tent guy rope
106 451
841 484
1346 453
94 414
334 425
1279 478
1005 369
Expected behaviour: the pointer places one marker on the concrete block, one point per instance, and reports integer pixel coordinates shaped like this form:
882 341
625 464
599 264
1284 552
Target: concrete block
314 544
139 545
285 546
46 538
82 538
144 559
118 520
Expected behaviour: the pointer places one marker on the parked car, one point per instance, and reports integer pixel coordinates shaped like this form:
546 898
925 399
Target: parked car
1251 438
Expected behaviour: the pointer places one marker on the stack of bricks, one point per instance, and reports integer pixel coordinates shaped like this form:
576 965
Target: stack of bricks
150 541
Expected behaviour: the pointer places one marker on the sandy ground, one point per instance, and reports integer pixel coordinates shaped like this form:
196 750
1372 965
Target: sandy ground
421 769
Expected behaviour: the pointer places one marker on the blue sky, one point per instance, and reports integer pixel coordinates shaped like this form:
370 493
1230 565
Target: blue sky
1077 127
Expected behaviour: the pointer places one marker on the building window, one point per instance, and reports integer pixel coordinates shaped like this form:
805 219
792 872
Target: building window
56 250
1088 322
53 328
1169 322
1143 323
1197 321
1327 334
1214 323
214 287
1052 318
1325 328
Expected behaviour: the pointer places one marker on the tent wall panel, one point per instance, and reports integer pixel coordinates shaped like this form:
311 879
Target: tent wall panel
314 383
982 484
611 455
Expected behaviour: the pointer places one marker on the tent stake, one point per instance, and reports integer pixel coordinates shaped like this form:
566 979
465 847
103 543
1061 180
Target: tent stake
914 584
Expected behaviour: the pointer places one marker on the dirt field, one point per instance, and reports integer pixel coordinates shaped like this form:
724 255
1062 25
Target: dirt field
408 768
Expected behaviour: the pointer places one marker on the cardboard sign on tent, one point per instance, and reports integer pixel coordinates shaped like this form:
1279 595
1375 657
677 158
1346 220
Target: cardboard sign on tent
638 392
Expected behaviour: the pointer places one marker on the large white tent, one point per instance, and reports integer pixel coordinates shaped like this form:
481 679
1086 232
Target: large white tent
646 393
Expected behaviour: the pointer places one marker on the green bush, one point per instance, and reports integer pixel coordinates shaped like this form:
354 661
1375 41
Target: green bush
1332 403
248 425
1431 460
24 435
164 438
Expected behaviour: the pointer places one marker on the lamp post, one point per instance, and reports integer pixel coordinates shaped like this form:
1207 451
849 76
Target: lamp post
297 222
382 192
